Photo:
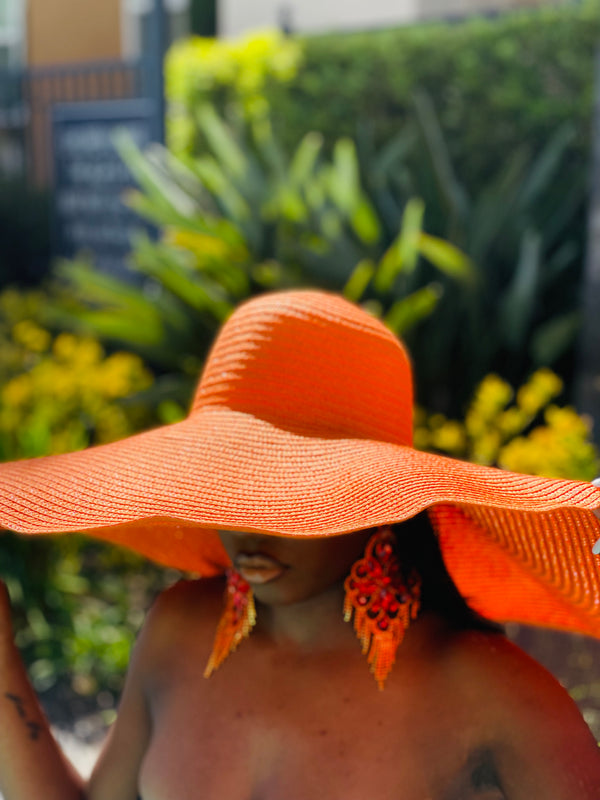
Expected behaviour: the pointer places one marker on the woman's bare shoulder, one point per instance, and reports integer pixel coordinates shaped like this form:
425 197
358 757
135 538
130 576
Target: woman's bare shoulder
533 726
492 656
496 667
186 612
194 596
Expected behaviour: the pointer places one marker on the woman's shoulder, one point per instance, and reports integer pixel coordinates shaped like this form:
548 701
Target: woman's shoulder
494 663
512 686
539 739
191 596
180 616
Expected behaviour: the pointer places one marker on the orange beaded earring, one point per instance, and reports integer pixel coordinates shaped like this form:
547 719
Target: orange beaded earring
237 620
383 602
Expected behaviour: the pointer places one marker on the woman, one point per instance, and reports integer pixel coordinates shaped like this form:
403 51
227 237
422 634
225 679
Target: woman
298 452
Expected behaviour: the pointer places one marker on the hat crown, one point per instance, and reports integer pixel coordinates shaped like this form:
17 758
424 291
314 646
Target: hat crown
313 363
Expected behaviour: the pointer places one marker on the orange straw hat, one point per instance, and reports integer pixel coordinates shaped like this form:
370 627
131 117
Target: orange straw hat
302 426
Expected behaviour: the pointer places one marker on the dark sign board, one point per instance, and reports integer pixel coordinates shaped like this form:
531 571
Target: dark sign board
90 179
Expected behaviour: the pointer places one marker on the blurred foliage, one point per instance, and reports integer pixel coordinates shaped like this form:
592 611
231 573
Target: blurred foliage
523 431
520 231
495 82
61 393
241 219
231 74
519 216
78 605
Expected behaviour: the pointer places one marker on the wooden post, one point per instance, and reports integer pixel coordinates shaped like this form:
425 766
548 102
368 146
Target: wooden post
155 82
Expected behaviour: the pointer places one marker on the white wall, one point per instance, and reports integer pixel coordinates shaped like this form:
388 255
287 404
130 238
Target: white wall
235 16
132 14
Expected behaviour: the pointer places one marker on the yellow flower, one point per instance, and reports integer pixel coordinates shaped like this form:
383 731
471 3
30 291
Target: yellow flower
542 386
17 391
492 395
567 421
201 244
87 353
511 421
65 346
518 456
122 374
67 399
30 335
436 421
529 400
560 448
421 439
56 380
553 452
449 438
547 383
200 69
486 447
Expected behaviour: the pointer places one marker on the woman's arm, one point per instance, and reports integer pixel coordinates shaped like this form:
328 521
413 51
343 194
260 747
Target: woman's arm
32 764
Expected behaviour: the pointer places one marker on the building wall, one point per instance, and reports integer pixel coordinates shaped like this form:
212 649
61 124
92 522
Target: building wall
63 31
235 16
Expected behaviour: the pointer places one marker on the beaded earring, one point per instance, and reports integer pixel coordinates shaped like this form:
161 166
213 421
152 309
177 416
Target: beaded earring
383 601
237 620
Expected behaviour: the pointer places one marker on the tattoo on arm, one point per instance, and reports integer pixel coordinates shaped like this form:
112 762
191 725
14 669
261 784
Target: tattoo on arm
34 727
17 702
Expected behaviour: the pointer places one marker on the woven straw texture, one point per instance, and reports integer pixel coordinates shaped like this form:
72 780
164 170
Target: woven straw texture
302 425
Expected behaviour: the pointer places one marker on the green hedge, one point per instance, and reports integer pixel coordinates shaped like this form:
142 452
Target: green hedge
495 83
489 122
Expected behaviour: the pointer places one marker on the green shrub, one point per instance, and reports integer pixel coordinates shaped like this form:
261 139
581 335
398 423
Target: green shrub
495 83
521 230
232 74
488 122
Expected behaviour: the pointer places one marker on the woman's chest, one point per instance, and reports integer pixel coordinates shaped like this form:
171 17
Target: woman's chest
274 739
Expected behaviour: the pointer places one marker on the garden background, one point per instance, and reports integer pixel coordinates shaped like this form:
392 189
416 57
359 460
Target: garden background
437 174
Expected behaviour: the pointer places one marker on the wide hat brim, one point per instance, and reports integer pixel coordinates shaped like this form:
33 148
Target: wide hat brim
302 426
518 547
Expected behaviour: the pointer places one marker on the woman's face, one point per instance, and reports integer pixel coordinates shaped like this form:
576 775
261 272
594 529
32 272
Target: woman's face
283 570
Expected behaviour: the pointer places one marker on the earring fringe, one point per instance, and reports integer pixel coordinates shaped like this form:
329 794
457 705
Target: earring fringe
237 620
383 603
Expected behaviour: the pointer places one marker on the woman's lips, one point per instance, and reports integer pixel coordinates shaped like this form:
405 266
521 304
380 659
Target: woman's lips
258 567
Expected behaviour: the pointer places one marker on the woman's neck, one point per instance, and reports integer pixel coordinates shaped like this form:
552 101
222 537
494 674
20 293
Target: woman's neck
314 623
